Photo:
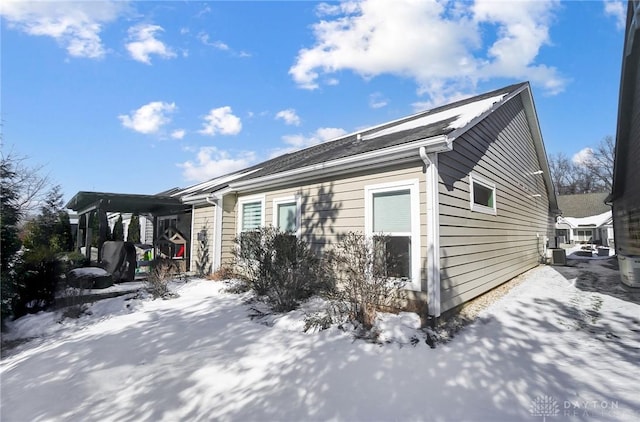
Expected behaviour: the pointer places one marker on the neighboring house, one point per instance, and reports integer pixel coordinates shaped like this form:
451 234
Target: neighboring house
585 219
625 195
463 191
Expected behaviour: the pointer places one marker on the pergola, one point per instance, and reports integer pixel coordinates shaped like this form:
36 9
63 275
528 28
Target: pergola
103 202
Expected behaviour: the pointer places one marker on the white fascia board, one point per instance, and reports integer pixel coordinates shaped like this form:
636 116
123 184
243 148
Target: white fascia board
204 198
209 185
373 159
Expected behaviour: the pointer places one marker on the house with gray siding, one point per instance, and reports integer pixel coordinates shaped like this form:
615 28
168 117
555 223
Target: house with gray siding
463 191
625 194
586 218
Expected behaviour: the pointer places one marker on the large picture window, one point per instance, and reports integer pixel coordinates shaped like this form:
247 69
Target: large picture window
393 217
483 195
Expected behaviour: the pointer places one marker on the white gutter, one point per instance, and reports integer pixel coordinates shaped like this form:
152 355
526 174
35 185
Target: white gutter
433 231
378 158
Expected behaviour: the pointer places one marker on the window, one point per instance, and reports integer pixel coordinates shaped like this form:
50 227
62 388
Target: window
583 235
393 212
251 217
483 195
286 214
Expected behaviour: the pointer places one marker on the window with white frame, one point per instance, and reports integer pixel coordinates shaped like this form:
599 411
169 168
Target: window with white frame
251 218
286 215
392 210
483 195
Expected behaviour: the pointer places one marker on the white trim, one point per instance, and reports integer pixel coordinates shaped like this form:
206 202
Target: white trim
192 256
295 199
217 234
433 232
414 191
249 200
486 184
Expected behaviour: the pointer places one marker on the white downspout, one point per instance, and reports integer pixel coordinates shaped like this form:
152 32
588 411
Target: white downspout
193 253
433 231
217 231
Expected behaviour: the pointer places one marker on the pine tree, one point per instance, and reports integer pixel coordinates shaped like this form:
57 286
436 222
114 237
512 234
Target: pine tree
9 240
118 229
133 234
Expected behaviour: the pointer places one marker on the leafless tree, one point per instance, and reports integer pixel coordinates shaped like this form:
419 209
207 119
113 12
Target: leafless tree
599 164
28 182
593 173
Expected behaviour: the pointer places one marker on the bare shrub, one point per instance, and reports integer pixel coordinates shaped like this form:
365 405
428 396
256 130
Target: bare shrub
225 272
162 272
366 283
281 267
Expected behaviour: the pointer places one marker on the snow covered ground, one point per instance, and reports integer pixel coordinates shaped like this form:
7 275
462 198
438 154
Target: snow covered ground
564 345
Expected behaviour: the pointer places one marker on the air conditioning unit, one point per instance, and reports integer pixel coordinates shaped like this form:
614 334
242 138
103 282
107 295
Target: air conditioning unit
558 257
630 270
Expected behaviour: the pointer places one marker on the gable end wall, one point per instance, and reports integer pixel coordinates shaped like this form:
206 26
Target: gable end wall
481 251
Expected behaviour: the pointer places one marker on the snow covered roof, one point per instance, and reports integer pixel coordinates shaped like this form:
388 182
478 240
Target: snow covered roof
591 221
438 121
456 117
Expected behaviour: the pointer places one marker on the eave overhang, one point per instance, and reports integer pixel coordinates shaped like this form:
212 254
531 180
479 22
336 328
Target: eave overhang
375 159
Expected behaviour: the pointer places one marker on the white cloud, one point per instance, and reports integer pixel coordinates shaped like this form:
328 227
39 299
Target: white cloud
74 25
178 134
582 157
444 47
618 10
299 141
143 43
377 100
211 162
221 120
204 39
149 118
289 116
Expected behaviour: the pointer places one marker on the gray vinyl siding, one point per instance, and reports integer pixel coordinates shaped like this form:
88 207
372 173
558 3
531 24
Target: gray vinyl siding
481 251
203 219
626 209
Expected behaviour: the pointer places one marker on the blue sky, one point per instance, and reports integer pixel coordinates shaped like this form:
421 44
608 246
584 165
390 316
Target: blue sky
139 97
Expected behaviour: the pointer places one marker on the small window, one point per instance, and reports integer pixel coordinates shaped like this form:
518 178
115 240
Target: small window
483 196
287 217
251 216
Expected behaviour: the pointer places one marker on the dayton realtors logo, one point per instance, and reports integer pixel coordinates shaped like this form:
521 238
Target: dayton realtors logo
545 406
